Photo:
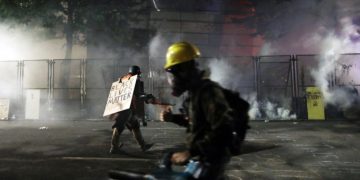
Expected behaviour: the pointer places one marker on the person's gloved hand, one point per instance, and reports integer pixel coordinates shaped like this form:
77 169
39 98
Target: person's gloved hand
150 98
166 115
144 123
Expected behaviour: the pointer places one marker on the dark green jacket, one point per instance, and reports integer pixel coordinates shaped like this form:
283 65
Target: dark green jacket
209 121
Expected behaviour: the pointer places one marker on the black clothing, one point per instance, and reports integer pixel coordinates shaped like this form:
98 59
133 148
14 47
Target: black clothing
130 118
209 122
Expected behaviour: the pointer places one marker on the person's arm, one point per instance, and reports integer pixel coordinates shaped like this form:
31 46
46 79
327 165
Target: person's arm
140 93
179 119
139 89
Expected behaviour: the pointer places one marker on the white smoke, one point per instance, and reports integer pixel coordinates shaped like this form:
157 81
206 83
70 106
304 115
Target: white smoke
254 111
274 112
157 50
225 74
230 77
267 49
332 46
22 43
328 28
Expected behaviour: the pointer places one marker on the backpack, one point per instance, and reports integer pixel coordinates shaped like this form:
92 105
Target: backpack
241 120
240 117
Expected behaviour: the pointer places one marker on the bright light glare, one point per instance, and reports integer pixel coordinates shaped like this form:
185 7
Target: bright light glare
6 92
12 45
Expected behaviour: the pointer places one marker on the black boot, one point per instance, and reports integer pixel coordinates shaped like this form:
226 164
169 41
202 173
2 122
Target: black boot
140 140
146 147
115 144
115 149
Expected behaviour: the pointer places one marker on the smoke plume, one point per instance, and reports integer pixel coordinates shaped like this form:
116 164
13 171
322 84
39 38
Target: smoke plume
22 43
325 28
332 46
232 77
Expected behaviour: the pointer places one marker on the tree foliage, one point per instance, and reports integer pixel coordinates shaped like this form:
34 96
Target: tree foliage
76 20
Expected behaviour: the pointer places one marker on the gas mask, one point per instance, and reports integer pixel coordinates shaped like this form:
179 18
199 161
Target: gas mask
181 77
178 84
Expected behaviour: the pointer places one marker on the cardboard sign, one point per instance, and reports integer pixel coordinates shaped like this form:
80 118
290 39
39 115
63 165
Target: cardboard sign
120 96
315 104
4 109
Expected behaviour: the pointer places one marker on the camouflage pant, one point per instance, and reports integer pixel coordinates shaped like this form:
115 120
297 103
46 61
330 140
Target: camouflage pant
125 118
128 119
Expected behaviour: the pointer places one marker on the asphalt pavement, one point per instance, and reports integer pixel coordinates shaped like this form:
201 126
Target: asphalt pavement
273 150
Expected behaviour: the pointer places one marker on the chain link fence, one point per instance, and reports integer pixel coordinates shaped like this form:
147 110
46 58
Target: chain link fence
78 88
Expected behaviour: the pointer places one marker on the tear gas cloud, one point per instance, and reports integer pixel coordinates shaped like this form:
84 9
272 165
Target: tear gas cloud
223 71
312 27
231 77
22 43
332 46
25 43
331 29
306 23
225 74
11 43
157 51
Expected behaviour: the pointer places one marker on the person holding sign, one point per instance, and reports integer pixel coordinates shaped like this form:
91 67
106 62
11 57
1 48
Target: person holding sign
120 93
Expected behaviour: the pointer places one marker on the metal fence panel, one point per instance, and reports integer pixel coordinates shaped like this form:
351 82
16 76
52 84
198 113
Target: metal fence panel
66 102
245 81
306 65
9 84
36 74
36 78
8 79
348 70
275 77
78 88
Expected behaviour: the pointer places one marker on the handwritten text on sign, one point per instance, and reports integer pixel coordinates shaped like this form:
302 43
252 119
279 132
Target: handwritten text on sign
120 96
4 109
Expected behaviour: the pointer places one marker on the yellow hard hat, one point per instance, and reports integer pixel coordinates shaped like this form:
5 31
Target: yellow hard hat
180 52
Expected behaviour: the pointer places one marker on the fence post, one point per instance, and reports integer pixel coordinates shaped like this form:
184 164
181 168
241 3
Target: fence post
51 79
82 82
295 85
256 61
296 76
293 88
20 87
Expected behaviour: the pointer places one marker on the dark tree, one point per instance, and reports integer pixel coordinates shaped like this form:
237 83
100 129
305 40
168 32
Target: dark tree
81 22
74 19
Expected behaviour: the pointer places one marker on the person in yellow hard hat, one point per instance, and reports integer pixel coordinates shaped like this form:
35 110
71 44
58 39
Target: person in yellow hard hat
207 113
181 66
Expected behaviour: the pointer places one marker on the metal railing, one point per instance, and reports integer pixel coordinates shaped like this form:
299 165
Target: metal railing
78 88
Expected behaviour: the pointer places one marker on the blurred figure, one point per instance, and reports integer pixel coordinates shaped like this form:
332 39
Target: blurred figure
130 118
207 113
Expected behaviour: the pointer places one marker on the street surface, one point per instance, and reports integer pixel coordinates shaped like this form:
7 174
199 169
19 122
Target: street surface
274 150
